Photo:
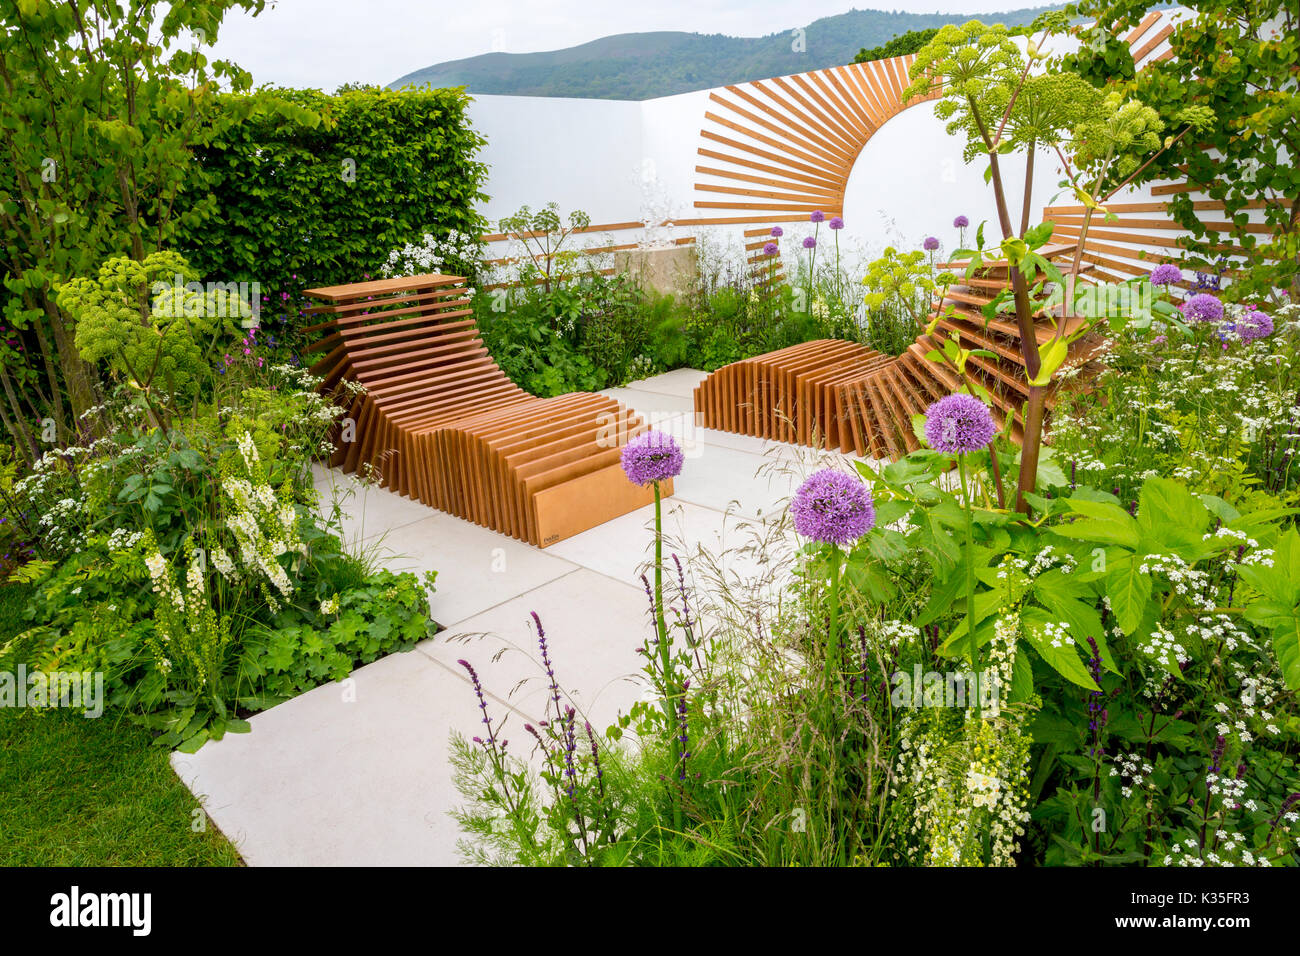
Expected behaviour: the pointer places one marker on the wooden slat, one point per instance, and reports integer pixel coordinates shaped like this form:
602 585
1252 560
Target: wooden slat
1147 22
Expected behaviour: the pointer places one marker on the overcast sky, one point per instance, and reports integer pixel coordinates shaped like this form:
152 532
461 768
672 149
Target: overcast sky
322 43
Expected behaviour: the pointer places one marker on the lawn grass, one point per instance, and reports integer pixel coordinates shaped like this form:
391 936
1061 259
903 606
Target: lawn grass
80 792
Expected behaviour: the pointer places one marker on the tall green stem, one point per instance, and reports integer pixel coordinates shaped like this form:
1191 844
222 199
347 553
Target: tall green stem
833 638
1200 346
665 653
970 582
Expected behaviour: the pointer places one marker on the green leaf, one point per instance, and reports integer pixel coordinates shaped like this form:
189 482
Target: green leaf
1286 645
1129 591
1051 360
192 744
890 511
1065 659
1170 514
1022 679
1102 532
918 428
1039 234
1281 582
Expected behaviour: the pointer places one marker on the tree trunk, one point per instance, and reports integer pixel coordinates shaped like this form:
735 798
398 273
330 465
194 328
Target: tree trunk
1033 422
16 427
77 375
51 369
1030 446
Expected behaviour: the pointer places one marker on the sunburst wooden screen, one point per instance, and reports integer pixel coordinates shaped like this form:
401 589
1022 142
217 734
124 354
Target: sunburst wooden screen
776 150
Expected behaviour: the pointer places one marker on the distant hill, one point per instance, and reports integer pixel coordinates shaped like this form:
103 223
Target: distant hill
640 66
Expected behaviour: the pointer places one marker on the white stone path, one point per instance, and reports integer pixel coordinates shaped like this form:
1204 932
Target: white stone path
323 780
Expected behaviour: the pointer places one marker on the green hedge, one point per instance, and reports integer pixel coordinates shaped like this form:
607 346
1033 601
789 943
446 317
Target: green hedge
284 206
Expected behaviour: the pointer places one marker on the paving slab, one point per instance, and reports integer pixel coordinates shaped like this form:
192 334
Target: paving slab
365 509
651 403
681 382
321 781
593 626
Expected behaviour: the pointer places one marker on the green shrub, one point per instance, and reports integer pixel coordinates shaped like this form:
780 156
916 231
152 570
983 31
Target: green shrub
312 189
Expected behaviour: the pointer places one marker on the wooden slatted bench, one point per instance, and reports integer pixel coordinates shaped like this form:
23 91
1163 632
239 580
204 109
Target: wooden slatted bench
833 394
439 422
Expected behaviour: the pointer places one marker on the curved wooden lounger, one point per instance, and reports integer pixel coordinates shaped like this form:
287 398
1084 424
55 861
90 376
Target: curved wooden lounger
440 422
842 395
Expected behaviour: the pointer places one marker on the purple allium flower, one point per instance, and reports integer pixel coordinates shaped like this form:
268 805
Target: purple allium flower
769 249
817 216
1254 325
833 507
1166 274
961 222
836 222
959 423
809 242
778 232
651 457
930 244
1202 307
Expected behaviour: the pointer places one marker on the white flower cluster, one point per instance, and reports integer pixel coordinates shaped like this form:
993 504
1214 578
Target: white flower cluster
163 585
264 527
1058 634
1191 583
890 636
1002 658
434 253
121 540
984 789
1133 771
1048 558
63 525
1164 648
1229 790
1227 849
967 783
1216 629
187 629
